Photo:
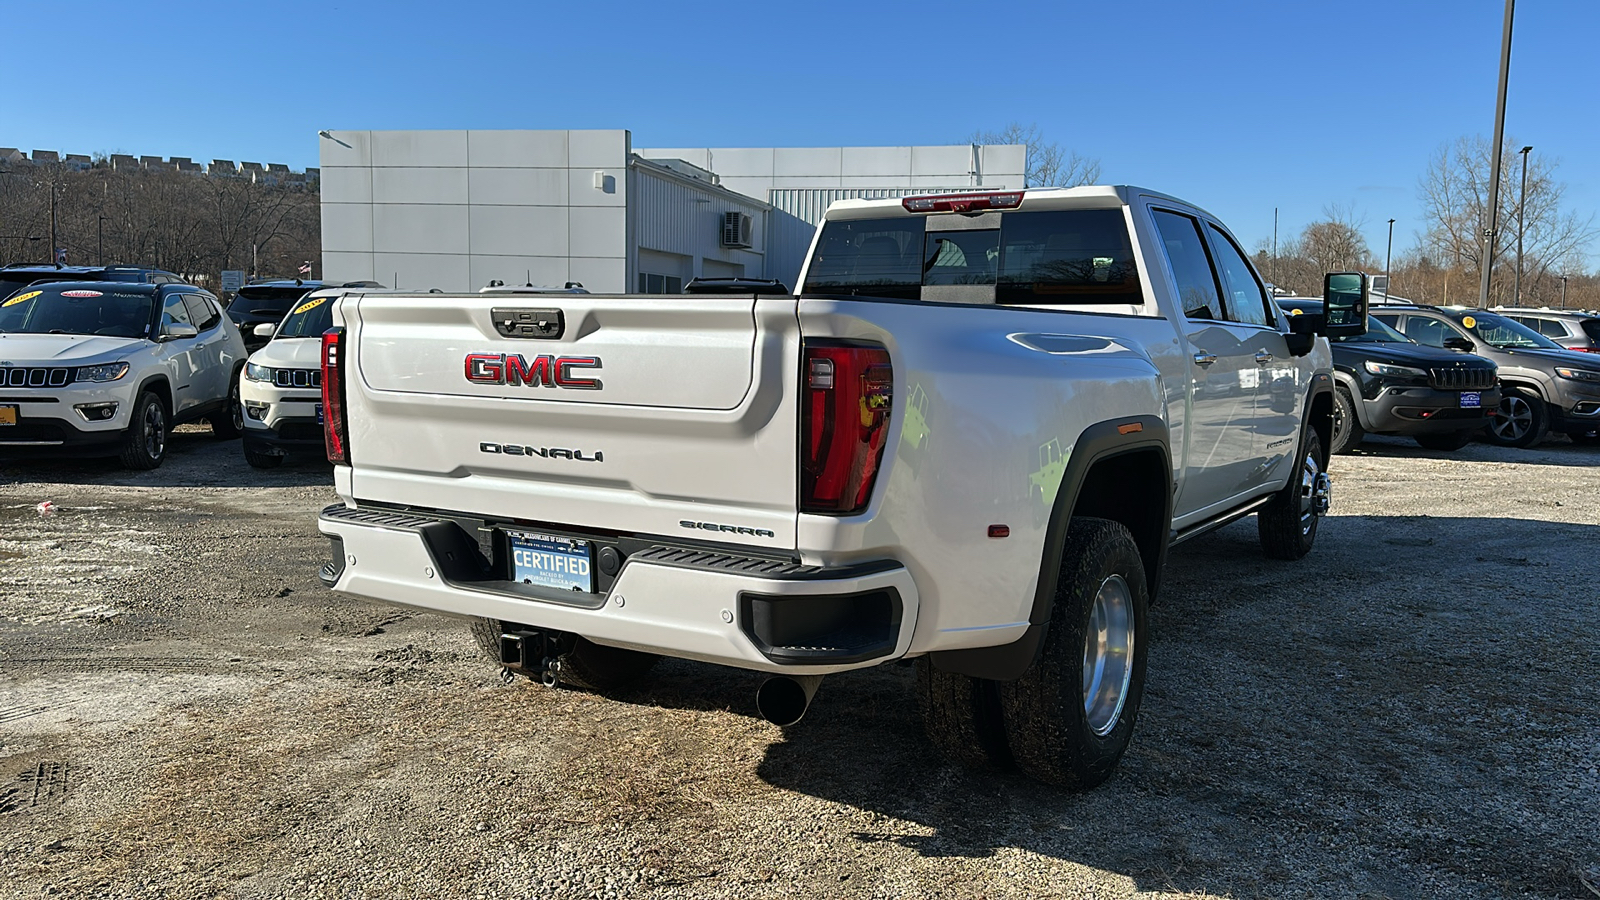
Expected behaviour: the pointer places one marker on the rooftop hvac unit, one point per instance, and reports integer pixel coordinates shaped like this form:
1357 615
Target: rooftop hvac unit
735 230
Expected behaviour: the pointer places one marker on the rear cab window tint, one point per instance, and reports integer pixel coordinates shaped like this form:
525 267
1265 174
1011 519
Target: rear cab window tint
1033 257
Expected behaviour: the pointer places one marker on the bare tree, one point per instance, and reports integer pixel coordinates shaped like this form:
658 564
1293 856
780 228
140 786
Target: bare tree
1454 193
1048 164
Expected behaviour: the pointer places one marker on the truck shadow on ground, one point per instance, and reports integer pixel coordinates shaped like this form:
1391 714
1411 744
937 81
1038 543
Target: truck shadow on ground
1556 450
1404 713
195 458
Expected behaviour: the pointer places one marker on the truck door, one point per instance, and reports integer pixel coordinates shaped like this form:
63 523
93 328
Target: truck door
1224 374
1280 380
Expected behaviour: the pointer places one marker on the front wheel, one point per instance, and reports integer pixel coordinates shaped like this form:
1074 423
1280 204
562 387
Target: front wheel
1287 525
144 445
1347 430
1070 717
1521 422
229 423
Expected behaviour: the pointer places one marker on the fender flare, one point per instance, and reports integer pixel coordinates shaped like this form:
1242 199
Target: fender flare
150 380
1099 442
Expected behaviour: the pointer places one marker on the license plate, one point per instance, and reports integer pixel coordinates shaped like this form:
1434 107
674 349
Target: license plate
8 415
1471 399
319 415
555 562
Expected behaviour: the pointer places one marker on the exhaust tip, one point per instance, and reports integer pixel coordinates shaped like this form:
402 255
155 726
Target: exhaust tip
783 699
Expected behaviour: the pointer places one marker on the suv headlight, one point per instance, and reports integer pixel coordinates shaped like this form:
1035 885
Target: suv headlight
1393 371
257 373
1578 374
101 373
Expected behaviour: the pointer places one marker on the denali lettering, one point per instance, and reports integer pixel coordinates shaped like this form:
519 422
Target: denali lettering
541 371
729 529
545 452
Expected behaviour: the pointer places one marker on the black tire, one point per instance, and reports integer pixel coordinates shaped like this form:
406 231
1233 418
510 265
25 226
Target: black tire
1453 440
262 460
144 444
1347 431
228 425
961 715
1050 730
1523 419
584 665
1287 525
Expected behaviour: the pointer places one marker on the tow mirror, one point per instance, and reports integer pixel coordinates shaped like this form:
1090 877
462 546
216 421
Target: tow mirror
1344 304
266 330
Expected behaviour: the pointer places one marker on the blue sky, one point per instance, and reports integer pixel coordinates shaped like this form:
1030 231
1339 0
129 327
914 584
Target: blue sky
1237 106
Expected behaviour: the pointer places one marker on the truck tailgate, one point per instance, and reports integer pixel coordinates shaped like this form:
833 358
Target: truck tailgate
644 414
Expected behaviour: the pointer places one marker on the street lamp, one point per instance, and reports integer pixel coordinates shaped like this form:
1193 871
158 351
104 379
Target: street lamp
1388 286
1516 283
1563 292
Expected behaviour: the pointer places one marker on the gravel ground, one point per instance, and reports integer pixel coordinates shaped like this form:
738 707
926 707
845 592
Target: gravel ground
1411 712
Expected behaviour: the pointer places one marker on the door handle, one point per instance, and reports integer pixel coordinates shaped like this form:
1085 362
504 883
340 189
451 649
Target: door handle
1263 357
1204 359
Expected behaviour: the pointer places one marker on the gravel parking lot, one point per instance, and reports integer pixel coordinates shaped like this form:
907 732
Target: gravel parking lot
1412 712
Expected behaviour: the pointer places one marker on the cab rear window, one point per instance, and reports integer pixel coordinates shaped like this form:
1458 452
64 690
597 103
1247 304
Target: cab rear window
1055 257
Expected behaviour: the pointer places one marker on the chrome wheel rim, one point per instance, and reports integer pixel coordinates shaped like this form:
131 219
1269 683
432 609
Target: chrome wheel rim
1516 417
1309 470
155 431
235 408
1108 655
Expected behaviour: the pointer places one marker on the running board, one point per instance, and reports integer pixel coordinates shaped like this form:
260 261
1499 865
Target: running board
1227 518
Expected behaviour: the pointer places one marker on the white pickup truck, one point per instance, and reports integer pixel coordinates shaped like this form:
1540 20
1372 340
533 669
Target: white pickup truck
968 441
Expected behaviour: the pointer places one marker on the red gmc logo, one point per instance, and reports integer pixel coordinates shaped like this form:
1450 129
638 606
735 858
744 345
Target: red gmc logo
541 371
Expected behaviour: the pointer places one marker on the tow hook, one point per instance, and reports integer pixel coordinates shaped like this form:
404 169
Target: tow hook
536 654
551 676
1322 493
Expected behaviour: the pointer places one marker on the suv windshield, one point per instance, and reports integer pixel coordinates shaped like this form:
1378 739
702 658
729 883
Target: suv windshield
271 302
1377 332
1059 256
1503 334
309 319
64 309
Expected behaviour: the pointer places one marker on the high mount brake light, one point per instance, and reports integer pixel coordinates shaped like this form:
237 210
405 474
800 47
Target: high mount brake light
848 393
960 203
335 432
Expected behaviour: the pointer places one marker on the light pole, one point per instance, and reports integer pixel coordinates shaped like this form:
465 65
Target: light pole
1563 292
1516 283
102 230
1487 257
1388 286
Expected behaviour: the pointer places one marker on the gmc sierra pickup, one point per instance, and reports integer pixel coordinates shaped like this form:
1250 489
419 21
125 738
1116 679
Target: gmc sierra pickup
969 441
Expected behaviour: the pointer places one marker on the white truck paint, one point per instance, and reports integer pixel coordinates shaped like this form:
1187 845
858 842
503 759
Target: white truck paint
999 416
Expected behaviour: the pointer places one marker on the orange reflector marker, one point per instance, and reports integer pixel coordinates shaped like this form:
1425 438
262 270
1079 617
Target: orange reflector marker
1130 428
999 531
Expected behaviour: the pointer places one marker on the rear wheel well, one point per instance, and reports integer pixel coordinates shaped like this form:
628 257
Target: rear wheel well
1135 489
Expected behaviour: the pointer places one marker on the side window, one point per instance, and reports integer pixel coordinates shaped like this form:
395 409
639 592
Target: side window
1427 331
1550 328
1246 299
199 311
1191 267
173 311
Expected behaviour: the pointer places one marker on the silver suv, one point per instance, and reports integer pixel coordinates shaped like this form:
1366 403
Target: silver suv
1544 386
1571 329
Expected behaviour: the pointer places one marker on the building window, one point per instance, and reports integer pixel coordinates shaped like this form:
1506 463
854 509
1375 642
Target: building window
660 284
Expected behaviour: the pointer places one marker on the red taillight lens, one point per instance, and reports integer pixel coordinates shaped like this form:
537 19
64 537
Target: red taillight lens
848 392
962 202
334 431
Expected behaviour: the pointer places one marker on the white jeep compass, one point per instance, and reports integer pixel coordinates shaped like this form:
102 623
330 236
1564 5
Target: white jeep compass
282 387
99 368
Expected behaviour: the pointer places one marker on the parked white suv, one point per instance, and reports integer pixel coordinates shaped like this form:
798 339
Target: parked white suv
102 368
282 387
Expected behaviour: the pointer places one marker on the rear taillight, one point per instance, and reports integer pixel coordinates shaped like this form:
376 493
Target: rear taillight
848 392
335 433
961 203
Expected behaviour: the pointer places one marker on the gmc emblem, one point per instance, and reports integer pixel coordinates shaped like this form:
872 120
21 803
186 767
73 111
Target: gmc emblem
541 371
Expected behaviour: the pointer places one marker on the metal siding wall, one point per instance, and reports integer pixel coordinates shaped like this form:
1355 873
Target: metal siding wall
674 217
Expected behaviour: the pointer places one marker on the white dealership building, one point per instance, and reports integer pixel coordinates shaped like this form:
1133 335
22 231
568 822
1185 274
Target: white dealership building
455 210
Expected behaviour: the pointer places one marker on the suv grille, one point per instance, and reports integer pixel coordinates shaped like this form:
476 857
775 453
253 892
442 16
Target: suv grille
300 378
34 377
1463 378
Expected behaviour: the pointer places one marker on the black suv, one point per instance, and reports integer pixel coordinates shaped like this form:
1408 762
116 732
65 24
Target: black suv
267 302
1544 386
15 277
1390 384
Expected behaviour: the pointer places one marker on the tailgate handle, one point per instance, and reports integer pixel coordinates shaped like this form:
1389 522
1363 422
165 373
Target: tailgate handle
537 324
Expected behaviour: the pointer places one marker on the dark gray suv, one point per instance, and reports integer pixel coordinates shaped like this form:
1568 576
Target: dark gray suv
1544 386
